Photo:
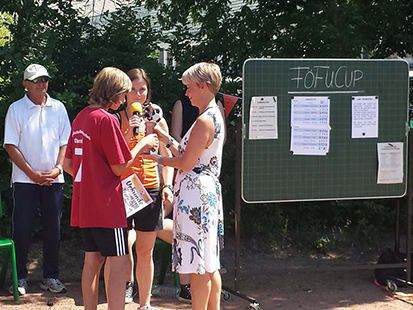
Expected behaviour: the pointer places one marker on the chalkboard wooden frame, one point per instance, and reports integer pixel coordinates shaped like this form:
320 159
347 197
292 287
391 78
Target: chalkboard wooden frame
270 173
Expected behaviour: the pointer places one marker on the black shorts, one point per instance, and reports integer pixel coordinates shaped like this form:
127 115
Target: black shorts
149 218
107 241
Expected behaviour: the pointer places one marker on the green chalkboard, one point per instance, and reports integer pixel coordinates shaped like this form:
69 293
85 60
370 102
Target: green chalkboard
274 171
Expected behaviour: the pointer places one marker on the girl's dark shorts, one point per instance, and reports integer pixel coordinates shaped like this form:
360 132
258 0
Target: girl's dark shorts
107 241
149 218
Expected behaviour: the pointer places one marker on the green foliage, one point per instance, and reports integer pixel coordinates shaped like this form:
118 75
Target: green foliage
321 225
6 19
211 31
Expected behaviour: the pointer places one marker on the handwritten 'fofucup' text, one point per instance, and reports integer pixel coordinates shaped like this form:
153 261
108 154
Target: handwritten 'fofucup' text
325 76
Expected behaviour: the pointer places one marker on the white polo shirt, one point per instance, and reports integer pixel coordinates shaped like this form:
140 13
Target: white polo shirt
38 132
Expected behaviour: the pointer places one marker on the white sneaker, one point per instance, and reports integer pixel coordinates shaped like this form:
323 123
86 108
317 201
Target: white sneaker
21 287
53 285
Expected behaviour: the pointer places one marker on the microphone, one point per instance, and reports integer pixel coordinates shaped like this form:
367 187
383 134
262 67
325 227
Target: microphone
136 109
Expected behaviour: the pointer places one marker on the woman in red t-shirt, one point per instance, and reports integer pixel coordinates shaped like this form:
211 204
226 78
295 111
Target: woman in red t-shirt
96 156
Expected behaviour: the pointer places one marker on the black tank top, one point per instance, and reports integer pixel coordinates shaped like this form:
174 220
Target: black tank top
189 114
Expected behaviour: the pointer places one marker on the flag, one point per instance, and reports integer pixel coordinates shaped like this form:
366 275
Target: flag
229 102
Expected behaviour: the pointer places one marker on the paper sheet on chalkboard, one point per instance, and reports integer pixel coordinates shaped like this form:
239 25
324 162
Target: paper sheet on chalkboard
310 128
263 118
365 117
390 168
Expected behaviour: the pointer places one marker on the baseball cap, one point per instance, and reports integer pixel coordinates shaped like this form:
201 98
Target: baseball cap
34 71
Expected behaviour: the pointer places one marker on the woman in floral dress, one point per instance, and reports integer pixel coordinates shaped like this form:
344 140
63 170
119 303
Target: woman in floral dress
198 215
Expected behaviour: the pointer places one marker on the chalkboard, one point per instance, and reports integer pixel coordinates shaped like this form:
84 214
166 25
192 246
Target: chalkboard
348 168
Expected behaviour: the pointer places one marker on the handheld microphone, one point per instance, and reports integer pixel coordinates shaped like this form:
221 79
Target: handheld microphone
136 109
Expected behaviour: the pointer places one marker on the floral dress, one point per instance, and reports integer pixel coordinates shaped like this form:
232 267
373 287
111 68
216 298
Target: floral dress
198 215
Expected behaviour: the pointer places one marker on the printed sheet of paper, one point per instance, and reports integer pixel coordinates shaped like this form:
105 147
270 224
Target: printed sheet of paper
310 129
135 195
390 157
263 118
365 117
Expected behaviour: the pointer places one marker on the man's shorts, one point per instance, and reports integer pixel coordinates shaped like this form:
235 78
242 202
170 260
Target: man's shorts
149 218
107 241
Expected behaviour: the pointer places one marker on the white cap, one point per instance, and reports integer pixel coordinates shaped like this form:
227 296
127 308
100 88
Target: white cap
34 71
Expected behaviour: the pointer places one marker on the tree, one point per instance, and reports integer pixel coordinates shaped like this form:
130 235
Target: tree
209 30
52 33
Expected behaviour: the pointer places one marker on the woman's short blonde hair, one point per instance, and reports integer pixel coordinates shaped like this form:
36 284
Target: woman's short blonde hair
108 85
204 72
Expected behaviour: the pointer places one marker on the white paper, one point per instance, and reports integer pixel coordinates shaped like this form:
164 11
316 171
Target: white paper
310 110
390 157
310 129
310 140
365 117
263 118
135 195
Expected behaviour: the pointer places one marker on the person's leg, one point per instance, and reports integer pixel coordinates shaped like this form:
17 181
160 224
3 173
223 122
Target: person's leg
90 279
115 279
166 235
200 290
130 287
184 279
51 213
145 242
113 246
131 241
216 287
25 205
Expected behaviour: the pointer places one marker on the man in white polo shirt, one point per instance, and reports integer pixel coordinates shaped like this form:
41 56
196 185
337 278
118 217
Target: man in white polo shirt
36 133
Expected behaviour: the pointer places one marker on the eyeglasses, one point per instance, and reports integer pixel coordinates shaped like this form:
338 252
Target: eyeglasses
42 79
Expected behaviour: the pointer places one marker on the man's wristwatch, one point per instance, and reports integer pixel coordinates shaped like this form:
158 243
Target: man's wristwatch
60 169
170 142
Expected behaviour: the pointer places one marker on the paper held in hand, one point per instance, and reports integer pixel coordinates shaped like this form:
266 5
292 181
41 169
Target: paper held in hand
135 195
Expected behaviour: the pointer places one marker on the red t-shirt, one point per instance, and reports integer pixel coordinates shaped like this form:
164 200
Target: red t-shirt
96 143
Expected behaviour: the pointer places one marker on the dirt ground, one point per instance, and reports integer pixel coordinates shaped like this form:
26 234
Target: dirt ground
288 282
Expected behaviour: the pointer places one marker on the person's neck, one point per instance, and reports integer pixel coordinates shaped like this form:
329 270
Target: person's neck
96 106
128 111
38 100
210 103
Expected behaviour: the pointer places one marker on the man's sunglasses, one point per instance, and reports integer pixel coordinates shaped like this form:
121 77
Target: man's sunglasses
42 79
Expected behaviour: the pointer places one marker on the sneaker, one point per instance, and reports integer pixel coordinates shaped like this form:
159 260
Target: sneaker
21 287
130 292
147 307
185 294
53 285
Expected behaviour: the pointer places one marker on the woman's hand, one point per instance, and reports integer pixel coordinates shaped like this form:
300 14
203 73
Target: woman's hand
162 134
136 122
167 195
151 141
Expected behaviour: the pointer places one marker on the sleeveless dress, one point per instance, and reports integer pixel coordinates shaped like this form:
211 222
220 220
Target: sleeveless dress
198 213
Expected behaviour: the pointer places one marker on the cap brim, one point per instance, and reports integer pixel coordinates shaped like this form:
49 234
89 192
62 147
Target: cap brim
38 75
